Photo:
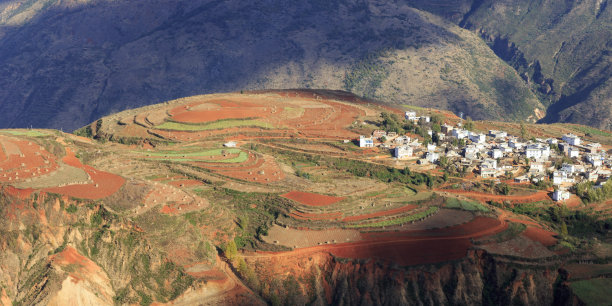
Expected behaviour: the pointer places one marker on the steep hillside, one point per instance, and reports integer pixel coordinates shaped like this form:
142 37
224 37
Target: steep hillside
66 63
560 48
268 197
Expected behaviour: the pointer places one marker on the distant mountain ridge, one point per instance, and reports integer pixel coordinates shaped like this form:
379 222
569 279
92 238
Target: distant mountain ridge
71 62
64 63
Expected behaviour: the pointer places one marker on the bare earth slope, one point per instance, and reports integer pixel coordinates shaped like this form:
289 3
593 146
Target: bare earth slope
67 63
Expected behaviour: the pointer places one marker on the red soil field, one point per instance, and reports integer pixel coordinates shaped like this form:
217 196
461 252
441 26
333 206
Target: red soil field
22 159
380 213
104 183
312 199
185 183
250 170
19 193
543 236
407 252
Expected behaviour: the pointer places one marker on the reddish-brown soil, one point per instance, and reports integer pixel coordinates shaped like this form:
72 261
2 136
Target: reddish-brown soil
22 159
185 183
543 236
380 213
19 193
408 248
104 183
312 199
257 168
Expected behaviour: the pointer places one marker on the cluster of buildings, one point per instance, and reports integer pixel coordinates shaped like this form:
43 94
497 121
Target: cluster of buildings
497 154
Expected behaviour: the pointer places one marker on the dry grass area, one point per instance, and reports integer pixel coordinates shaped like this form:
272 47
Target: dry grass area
297 238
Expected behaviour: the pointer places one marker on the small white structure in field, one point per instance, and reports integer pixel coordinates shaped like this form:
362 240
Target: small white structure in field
560 195
402 152
366 142
571 139
431 147
230 144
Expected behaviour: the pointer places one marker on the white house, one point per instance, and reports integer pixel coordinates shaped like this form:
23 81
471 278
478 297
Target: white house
573 152
402 140
536 167
595 159
447 129
478 138
552 141
366 142
470 152
560 195
496 153
594 147
460 134
571 139
412 116
402 152
513 143
489 163
431 147
488 172
569 168
432 157
497 134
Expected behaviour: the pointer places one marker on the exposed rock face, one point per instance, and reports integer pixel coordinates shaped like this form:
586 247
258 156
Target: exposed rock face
478 279
67 63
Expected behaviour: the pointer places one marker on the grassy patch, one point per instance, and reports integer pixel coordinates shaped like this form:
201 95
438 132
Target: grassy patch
178 156
29 133
217 125
430 211
593 291
465 205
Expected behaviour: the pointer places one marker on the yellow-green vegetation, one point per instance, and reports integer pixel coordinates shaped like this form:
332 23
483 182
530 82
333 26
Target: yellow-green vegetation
593 291
179 156
420 215
29 133
216 125
465 205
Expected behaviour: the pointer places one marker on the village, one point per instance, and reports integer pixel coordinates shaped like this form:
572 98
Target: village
457 151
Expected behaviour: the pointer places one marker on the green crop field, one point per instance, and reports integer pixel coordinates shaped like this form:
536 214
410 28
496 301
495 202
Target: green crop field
465 205
217 125
214 152
593 291
29 133
430 211
178 156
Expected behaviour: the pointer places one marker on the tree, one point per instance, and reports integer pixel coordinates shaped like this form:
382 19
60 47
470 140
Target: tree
524 133
563 229
469 124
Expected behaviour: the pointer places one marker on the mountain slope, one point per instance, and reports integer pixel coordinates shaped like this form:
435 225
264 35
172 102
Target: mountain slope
70 62
560 48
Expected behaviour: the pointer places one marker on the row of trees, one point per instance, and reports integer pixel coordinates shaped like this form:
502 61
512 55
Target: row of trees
589 194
